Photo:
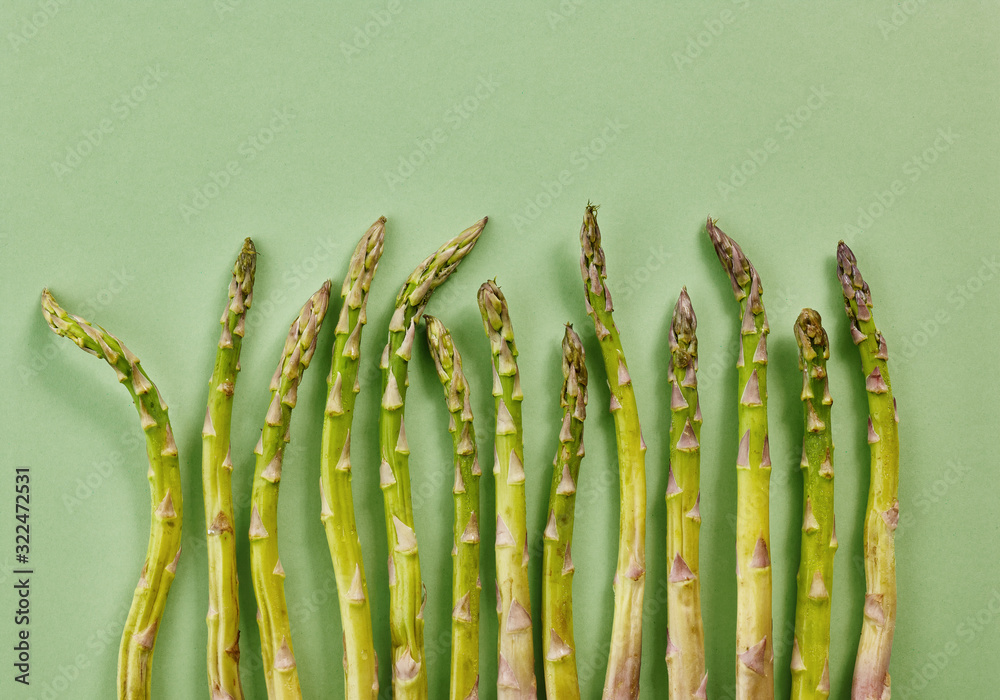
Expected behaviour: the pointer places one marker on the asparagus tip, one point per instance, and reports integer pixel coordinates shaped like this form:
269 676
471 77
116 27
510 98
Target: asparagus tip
684 322
55 315
243 277
364 262
590 233
853 284
440 343
496 319
436 268
741 271
811 337
574 372
593 265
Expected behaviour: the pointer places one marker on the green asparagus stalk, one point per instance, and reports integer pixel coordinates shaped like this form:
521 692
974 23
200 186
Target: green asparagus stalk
406 592
871 670
280 670
223 617
811 648
515 649
135 655
754 641
558 644
465 585
622 679
686 636
337 512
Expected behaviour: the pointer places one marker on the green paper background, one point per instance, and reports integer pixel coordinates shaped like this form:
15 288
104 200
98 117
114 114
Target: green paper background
649 110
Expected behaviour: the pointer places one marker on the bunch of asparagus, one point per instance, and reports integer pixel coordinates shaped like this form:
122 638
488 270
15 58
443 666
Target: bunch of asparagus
517 636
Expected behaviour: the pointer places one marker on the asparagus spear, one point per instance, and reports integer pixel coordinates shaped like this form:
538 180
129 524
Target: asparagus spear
622 680
406 592
516 655
135 655
871 670
686 638
754 643
465 585
280 671
337 512
558 645
223 617
811 648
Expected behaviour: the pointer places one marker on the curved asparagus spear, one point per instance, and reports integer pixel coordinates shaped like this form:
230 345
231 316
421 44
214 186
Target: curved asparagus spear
558 644
223 617
871 670
686 638
622 680
811 649
406 592
337 512
268 575
135 655
465 585
515 651
754 643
